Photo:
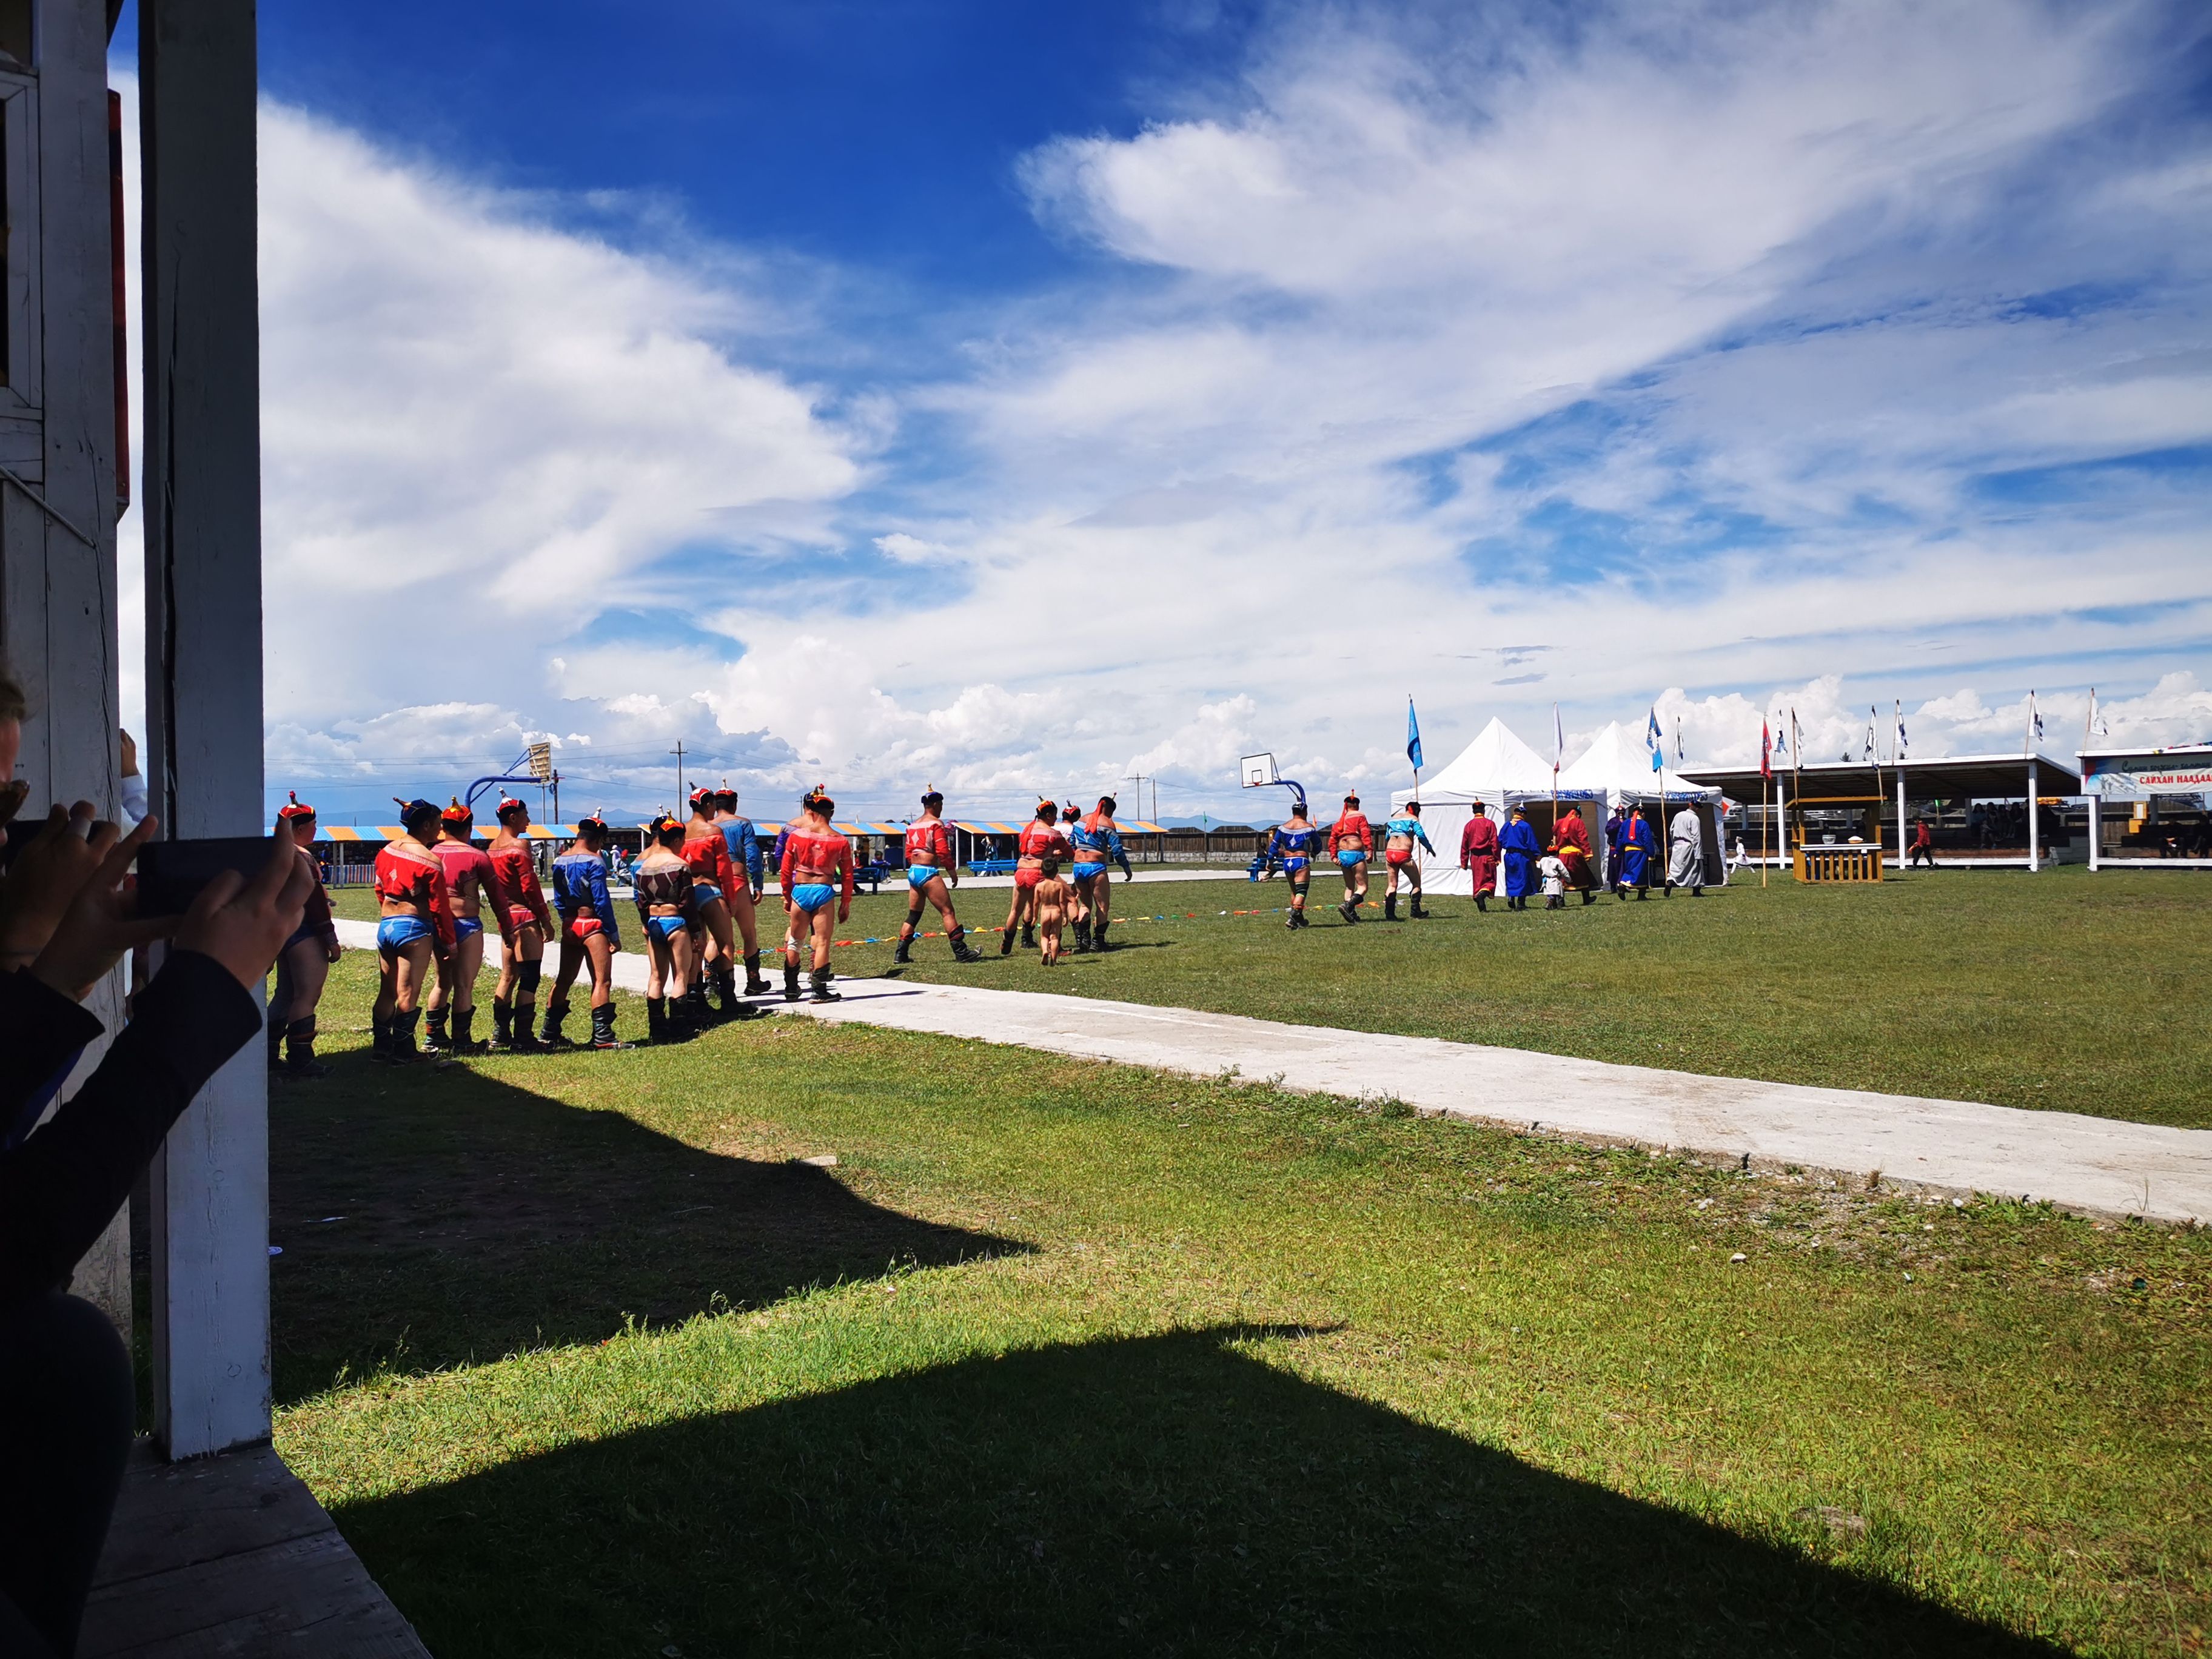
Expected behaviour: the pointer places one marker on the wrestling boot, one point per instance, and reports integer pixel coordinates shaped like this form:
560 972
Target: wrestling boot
1098 938
1641 894
404 1049
755 985
1589 896
438 1043
1390 907
1005 941
961 951
1416 912
379 1039
276 1034
725 983
300 1045
1349 910
1029 936
656 1020
1290 922
525 1040
695 1009
465 1033
823 993
903 952
790 980
602 1028
1083 939
553 1037
503 1026
1482 902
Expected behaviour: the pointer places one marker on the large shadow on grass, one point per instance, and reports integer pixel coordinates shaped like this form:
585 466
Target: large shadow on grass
430 1220
1163 1495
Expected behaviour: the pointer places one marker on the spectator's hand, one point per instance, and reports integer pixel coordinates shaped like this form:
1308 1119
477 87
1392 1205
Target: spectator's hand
102 921
46 878
243 922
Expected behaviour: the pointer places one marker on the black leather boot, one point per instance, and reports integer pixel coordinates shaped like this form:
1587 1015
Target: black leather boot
823 991
1390 907
553 1037
502 1025
755 985
903 952
656 1019
961 951
790 980
603 1028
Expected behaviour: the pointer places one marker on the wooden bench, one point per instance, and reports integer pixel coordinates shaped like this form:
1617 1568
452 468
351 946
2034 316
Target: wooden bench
991 867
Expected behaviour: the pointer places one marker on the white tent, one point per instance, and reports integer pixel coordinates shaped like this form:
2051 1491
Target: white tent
1496 768
1617 769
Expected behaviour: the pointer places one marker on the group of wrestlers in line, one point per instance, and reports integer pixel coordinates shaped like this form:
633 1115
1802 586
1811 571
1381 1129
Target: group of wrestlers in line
697 885
1528 863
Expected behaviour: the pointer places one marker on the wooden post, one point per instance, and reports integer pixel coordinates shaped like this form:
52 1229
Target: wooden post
2096 833
2034 856
203 696
1901 854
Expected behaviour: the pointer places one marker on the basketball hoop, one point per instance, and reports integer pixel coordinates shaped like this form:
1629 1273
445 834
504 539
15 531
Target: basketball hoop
1256 771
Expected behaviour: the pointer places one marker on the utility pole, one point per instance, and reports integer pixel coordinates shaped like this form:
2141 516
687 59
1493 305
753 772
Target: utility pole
1138 777
678 752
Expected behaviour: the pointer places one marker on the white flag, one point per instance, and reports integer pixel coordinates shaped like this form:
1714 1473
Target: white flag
1559 739
1900 728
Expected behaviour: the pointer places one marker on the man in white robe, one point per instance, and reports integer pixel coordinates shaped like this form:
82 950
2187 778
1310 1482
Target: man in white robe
1685 854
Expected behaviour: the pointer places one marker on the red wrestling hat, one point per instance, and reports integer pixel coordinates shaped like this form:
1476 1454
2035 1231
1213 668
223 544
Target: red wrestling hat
508 804
295 810
412 812
702 796
662 825
457 813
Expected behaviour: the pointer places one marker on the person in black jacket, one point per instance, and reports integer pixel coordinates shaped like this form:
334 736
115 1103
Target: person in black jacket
66 917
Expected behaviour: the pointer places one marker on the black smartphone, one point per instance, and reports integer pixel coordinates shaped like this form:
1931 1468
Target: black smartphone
171 872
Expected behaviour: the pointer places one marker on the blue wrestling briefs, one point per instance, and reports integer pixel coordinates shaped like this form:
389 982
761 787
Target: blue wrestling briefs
466 927
664 927
397 933
812 895
1295 867
704 892
920 875
1087 871
1349 857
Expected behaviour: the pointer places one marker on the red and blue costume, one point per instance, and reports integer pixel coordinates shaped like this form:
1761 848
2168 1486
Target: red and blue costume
409 875
580 894
1044 842
815 868
931 839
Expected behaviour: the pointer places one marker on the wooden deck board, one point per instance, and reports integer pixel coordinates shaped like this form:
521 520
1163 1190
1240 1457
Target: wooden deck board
231 1556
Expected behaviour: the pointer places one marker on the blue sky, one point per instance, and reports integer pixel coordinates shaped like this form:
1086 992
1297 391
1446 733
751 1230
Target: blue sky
1017 398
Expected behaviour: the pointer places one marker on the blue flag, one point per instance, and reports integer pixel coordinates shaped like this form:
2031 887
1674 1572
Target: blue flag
1412 736
1655 741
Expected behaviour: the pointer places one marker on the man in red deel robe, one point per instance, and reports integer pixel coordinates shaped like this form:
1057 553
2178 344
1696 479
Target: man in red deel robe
1571 846
1478 856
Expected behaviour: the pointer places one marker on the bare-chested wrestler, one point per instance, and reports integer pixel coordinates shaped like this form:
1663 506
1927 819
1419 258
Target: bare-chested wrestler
816 870
743 899
415 925
468 883
929 866
526 926
1039 847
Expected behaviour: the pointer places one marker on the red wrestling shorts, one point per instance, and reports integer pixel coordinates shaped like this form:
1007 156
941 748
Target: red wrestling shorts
1028 879
521 916
1399 857
581 928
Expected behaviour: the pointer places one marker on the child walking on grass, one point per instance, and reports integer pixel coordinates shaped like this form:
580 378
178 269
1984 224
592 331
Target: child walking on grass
1553 870
1050 900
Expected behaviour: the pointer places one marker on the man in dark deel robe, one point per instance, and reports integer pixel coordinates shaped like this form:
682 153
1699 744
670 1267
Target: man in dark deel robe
1571 845
1616 821
1478 856
1637 845
1521 850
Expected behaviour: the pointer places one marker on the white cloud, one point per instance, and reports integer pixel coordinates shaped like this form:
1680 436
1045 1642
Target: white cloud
1690 352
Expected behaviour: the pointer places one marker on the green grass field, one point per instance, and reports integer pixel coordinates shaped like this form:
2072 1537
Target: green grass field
1063 1358
2062 990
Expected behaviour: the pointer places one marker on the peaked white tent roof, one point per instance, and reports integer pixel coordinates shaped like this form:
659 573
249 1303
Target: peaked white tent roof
1495 765
1618 766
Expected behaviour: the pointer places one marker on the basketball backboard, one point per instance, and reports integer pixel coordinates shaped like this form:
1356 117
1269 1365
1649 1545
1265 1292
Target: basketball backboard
1256 770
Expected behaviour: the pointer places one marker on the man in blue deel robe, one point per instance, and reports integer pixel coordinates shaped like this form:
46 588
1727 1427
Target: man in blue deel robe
1638 845
1517 841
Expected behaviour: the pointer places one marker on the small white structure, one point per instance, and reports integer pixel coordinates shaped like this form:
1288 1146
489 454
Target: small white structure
2147 784
1616 770
1497 770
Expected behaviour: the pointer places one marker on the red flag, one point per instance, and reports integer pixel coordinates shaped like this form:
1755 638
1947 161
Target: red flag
1765 751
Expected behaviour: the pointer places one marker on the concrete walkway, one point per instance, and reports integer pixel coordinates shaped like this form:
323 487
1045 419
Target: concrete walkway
2093 1164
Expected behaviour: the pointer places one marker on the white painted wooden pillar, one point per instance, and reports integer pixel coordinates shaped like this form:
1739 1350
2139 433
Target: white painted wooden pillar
1902 854
2096 833
2034 855
203 515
